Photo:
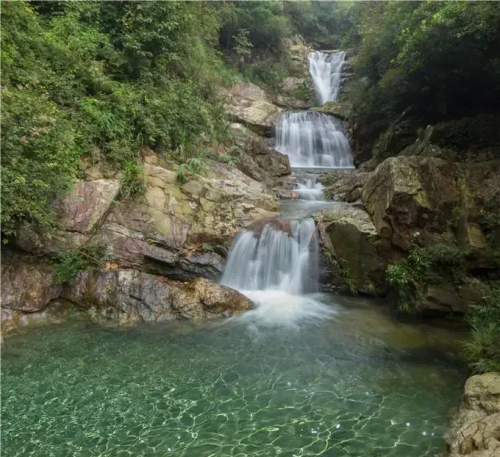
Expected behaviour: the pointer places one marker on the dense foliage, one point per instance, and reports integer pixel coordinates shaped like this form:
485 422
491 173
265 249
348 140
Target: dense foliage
411 277
423 62
483 348
100 79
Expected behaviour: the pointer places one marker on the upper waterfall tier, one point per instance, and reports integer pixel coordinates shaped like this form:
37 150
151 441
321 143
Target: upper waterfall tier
285 259
326 70
312 140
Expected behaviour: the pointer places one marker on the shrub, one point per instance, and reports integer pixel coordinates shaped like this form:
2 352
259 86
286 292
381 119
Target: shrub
483 348
193 166
39 157
71 262
108 76
411 277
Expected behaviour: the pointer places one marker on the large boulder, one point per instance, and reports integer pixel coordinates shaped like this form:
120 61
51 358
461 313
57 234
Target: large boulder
413 199
133 296
255 157
426 200
353 242
475 431
447 297
249 105
344 185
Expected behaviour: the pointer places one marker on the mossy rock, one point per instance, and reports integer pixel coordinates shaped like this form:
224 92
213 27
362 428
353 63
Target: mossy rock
341 110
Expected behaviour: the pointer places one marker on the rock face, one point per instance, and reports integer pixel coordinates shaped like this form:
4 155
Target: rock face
29 293
132 296
249 105
427 200
354 244
340 110
78 214
412 198
475 431
173 229
27 286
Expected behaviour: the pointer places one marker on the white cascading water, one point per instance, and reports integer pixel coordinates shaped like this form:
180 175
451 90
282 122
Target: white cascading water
275 259
326 70
312 139
309 188
275 270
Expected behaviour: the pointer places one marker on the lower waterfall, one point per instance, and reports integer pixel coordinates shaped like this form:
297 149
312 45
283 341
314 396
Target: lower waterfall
277 259
278 270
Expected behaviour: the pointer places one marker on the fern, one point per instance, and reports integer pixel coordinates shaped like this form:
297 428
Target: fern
193 166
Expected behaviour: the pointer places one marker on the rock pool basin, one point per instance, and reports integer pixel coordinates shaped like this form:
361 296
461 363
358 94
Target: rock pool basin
346 380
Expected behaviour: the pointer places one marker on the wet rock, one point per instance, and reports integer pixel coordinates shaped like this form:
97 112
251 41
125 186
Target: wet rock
475 432
278 224
355 245
340 110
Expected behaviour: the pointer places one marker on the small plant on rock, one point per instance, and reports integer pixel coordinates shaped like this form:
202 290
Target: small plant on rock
193 166
70 263
411 277
350 283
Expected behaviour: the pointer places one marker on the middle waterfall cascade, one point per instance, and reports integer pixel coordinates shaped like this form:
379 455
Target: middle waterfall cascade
326 70
312 139
275 260
309 188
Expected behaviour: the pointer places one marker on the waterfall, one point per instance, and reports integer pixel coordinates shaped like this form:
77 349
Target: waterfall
284 260
312 140
309 189
326 70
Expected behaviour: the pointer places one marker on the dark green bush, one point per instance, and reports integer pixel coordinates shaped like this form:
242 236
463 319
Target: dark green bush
86 258
80 77
411 277
483 348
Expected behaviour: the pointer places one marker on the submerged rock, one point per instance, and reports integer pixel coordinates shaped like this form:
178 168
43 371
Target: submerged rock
475 432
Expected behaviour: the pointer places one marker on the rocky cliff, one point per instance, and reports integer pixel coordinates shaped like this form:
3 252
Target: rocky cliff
159 243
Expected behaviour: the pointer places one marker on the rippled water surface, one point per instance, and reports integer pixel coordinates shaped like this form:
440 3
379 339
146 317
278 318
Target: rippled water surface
351 383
